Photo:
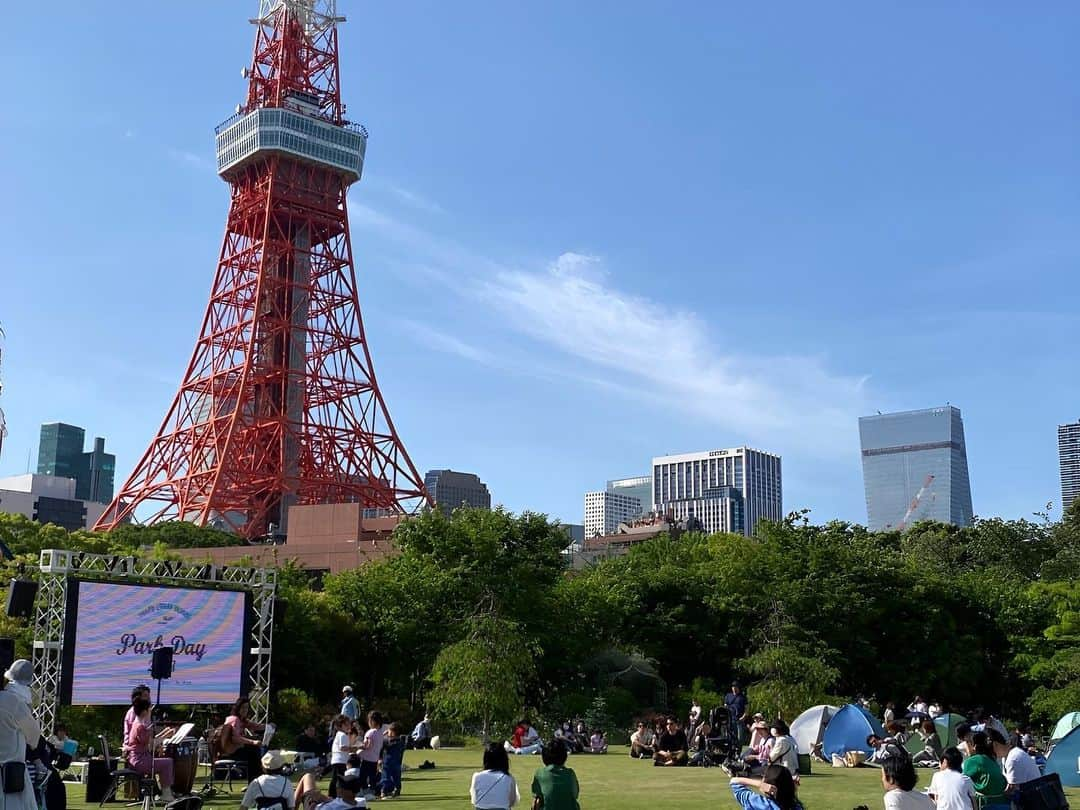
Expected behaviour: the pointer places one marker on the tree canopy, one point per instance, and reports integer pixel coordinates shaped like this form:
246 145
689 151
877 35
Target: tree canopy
479 618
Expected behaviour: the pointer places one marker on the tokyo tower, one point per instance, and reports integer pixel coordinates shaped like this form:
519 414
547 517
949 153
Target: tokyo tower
279 404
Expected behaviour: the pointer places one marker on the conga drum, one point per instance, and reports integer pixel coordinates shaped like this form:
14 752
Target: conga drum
185 757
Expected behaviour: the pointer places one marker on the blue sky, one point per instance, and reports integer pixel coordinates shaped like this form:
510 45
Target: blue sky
587 234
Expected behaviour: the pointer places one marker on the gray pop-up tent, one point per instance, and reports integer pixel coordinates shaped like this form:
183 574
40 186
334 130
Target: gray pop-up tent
808 729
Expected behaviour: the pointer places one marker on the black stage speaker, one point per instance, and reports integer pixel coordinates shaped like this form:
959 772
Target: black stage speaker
7 654
96 779
161 663
20 600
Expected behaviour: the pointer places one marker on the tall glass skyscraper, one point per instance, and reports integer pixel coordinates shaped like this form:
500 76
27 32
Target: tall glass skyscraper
60 453
1069 458
915 468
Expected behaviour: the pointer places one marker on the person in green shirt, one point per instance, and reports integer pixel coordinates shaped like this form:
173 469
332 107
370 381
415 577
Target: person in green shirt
555 787
985 773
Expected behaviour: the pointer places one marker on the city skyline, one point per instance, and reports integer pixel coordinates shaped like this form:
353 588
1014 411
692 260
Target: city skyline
783 245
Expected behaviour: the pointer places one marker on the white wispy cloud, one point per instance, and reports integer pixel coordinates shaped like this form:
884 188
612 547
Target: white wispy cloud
670 356
447 343
635 347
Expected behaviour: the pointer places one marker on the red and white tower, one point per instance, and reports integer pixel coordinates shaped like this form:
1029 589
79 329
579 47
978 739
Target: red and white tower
279 404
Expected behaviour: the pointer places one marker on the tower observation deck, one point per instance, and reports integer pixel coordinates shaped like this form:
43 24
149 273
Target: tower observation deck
293 130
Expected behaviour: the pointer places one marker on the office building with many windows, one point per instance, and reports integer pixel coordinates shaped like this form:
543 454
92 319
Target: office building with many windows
725 490
48 499
639 487
60 454
605 510
1069 459
915 468
451 489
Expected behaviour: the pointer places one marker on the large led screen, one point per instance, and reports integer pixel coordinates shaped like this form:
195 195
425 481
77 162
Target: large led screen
115 629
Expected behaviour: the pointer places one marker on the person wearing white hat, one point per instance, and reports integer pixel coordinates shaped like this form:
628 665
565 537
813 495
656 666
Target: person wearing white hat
350 706
18 727
270 786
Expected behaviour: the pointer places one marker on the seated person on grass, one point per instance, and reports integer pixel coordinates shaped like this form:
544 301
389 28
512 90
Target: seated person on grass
784 750
950 789
350 793
642 742
597 742
525 740
759 730
1017 765
775 791
671 748
985 773
884 748
554 786
930 756
421 734
761 742
270 785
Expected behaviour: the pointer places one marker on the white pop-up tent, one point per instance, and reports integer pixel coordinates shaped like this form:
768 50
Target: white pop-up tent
808 729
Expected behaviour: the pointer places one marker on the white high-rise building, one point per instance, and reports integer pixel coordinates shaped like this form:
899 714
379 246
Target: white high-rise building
726 490
1069 458
640 487
605 510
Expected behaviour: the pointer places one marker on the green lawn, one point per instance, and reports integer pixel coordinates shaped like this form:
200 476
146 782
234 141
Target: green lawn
608 782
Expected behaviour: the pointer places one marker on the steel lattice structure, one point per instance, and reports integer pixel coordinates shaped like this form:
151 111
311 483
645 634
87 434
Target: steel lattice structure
279 404
59 567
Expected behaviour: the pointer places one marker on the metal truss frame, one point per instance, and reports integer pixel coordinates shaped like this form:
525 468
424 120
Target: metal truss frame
59 567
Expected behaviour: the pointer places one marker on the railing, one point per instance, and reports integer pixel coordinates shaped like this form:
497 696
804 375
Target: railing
349 125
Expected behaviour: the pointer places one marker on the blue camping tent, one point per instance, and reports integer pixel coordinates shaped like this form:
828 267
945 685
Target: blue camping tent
848 729
1064 759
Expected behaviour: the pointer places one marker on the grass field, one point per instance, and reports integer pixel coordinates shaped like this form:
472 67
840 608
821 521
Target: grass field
608 782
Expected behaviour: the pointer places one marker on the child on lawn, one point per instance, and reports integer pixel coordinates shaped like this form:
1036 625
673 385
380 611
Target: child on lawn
370 752
392 753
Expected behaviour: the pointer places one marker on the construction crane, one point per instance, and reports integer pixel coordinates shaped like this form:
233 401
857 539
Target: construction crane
915 501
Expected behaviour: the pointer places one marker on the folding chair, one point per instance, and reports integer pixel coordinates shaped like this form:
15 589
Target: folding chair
124 774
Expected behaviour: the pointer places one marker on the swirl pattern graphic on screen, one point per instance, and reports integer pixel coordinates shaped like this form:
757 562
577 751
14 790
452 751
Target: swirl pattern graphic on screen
119 626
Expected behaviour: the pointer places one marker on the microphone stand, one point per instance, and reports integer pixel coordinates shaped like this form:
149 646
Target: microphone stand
148 799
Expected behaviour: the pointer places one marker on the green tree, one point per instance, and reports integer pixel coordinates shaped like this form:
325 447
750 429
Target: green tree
481 678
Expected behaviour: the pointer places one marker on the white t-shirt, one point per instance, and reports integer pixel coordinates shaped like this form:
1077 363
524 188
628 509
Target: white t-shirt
1019 767
907 800
493 790
339 751
952 790
268 785
784 752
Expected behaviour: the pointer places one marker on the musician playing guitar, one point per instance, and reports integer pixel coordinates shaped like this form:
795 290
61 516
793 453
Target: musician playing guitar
237 740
